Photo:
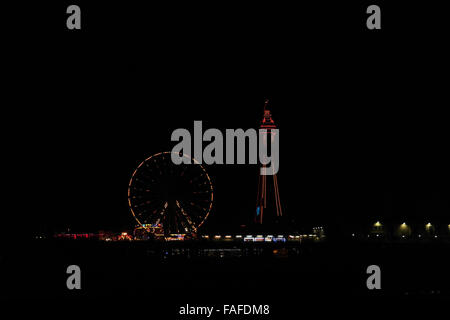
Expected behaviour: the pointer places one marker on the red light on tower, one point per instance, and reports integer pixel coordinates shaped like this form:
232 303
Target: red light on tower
267 121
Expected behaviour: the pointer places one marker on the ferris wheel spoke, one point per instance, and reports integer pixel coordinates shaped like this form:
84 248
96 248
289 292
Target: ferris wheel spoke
201 192
192 175
149 190
194 213
148 183
185 217
188 222
201 213
144 202
163 211
145 180
182 224
152 208
201 197
151 195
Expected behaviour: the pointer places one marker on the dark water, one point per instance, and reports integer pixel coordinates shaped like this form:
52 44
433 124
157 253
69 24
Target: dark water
141 276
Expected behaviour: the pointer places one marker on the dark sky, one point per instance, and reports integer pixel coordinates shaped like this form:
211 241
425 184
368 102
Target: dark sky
362 118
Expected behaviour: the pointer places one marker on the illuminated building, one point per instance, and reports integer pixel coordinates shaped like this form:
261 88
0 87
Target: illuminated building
76 236
403 231
319 232
430 230
377 229
249 238
148 231
259 238
175 237
124 236
279 238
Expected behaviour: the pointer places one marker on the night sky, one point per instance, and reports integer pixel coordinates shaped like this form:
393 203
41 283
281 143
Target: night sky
362 115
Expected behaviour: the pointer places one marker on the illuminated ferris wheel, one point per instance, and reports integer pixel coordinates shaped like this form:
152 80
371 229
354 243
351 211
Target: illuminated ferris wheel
175 198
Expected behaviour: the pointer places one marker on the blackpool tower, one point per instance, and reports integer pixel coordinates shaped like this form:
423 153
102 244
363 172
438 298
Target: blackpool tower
268 193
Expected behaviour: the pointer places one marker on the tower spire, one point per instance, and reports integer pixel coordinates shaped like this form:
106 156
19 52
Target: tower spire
266 104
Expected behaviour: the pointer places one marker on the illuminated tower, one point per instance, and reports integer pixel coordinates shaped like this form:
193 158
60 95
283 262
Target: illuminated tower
267 193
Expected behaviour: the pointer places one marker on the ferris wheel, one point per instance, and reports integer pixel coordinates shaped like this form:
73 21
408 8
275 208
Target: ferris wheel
175 198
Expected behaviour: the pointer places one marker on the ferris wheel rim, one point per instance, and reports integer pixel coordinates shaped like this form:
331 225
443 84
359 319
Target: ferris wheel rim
186 156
